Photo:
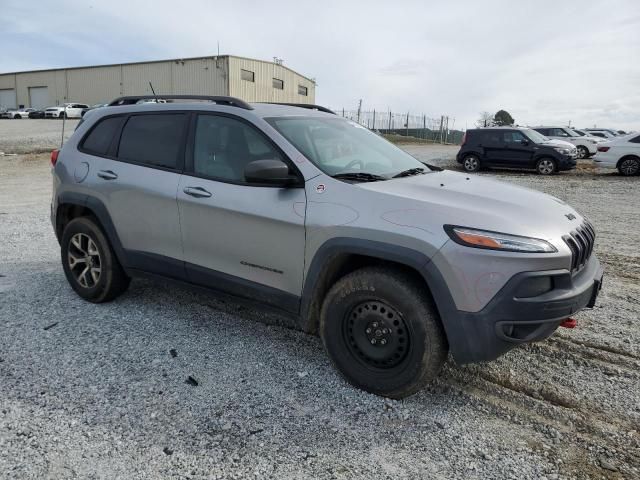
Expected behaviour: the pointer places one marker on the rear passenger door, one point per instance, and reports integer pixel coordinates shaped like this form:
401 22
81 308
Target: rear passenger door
518 149
241 238
135 166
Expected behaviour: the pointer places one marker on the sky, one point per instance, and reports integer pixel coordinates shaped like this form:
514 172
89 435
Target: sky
545 62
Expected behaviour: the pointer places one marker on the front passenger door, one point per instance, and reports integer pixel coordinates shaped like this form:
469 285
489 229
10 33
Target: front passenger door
244 239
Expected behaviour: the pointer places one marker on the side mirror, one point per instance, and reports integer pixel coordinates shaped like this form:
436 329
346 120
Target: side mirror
524 142
269 172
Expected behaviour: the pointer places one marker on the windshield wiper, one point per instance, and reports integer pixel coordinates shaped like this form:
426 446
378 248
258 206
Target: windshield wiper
359 176
410 172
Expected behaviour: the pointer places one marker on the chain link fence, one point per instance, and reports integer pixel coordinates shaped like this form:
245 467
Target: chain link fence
421 127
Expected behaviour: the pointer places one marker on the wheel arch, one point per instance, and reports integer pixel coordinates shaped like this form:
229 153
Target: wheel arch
340 256
72 205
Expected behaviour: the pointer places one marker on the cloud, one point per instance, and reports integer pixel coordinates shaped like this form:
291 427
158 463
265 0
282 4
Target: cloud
543 61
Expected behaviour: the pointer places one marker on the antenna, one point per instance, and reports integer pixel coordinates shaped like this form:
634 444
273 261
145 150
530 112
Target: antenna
154 92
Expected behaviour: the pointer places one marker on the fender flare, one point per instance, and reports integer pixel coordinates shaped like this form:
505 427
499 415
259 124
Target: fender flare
97 207
408 257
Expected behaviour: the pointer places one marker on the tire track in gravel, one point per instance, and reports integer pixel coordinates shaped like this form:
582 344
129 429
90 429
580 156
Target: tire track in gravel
582 428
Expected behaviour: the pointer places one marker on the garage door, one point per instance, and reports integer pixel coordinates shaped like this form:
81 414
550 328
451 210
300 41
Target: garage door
38 97
8 98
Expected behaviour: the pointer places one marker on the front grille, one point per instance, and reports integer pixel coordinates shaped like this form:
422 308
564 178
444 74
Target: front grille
581 242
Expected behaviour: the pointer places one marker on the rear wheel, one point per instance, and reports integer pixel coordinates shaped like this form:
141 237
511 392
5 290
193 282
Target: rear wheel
382 333
471 163
89 263
583 152
17 117
629 166
546 166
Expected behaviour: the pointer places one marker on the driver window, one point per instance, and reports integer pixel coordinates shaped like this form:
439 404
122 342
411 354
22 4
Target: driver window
224 146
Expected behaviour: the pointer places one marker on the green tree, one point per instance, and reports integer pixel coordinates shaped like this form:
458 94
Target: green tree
502 117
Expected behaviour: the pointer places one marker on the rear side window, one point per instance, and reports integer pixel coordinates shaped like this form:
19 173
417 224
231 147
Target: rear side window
99 139
635 140
490 137
153 140
543 131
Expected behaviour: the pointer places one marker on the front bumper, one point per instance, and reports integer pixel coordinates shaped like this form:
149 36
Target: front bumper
567 162
507 321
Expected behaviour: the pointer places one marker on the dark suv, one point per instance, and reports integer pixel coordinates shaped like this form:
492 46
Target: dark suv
512 147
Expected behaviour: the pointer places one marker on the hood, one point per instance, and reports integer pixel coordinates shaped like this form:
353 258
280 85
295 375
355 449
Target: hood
553 142
472 201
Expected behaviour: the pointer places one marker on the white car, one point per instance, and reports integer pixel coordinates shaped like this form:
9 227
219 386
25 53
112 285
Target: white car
17 113
586 145
71 110
622 153
601 132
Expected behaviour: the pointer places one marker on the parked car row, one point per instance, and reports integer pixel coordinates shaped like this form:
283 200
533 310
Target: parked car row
547 149
68 110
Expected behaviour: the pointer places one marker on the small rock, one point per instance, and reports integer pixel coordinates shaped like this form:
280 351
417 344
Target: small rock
302 374
604 463
173 352
167 451
191 381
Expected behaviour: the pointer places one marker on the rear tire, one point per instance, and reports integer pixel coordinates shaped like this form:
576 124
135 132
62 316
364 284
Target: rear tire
89 262
471 163
629 166
382 333
546 166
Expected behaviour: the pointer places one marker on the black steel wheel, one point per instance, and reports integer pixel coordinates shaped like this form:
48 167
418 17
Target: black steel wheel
382 332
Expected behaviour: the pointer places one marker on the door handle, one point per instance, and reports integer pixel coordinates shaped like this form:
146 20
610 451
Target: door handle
197 192
107 174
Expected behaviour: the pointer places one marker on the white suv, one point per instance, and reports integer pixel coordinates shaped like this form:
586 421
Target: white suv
586 145
69 110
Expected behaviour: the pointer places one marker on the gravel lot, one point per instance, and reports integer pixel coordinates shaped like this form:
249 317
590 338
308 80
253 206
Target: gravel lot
102 391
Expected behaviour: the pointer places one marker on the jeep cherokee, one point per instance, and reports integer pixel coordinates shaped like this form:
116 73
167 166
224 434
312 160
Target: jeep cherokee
392 262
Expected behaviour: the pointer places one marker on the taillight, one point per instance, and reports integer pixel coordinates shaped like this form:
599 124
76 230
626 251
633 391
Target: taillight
54 157
464 138
603 149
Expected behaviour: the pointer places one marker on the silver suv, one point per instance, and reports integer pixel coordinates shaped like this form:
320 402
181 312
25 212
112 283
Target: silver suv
392 262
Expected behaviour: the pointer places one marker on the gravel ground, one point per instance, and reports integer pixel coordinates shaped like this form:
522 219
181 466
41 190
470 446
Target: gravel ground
103 391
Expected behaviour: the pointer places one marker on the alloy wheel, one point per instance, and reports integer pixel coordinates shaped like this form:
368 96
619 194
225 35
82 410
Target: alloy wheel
546 166
582 152
84 260
630 166
471 164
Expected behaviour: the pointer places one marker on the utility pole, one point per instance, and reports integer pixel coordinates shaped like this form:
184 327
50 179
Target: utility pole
359 109
374 119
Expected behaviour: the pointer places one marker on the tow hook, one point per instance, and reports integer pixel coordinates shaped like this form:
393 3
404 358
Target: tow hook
569 323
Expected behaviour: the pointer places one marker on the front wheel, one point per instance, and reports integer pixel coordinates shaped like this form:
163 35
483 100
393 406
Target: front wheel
89 262
546 166
583 152
629 166
382 333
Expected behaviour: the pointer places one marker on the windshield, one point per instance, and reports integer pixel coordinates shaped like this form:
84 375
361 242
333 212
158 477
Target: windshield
338 146
534 136
571 132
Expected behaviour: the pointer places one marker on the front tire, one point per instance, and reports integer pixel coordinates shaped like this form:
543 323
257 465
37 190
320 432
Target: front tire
89 263
546 166
583 152
382 333
471 163
629 166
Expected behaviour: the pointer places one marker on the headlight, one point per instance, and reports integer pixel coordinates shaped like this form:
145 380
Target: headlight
563 150
471 237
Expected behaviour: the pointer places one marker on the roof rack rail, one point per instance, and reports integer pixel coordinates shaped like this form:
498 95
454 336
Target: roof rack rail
220 100
309 106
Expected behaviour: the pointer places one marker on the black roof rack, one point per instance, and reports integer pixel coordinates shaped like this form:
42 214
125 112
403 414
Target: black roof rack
310 106
220 100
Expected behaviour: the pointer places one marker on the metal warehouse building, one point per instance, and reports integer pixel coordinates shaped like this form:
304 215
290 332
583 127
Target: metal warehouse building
251 80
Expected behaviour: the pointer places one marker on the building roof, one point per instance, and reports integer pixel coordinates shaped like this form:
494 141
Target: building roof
176 60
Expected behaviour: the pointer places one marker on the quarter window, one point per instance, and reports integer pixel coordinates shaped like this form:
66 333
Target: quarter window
277 83
635 140
302 90
99 139
152 140
223 147
247 75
